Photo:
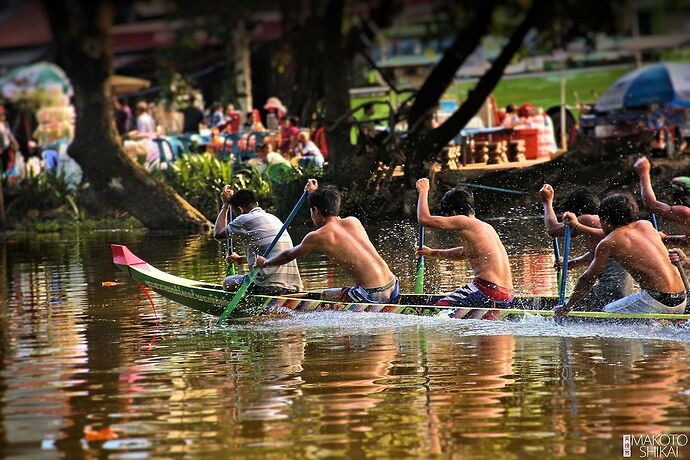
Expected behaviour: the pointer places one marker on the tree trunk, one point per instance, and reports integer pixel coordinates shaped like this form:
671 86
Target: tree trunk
336 86
466 41
440 136
242 67
84 50
2 204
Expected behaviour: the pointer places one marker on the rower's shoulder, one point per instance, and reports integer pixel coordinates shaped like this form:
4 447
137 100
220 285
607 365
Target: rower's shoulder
351 221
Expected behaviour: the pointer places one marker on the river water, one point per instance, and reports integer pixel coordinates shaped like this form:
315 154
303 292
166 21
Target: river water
92 371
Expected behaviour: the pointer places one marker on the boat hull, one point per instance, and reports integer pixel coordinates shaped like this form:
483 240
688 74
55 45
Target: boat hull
212 299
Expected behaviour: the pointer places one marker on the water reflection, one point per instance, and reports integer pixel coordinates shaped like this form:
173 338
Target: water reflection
88 370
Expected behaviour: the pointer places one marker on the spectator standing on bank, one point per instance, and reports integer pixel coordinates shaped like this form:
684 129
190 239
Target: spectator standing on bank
145 123
193 117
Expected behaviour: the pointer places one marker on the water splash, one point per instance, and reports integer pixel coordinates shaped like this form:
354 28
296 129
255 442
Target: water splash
529 326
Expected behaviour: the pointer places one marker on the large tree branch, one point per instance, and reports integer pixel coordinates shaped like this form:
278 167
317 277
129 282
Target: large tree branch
466 41
476 97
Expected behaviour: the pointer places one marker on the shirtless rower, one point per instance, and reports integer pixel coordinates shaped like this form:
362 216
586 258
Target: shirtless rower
345 242
637 246
673 212
481 246
614 282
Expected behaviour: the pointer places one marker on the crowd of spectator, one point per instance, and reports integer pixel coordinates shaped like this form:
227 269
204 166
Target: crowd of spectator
222 130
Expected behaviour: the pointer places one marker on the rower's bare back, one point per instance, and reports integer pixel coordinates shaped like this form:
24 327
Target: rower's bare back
346 243
486 253
639 249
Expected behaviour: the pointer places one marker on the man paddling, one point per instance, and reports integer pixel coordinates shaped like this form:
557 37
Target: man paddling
637 246
676 212
256 229
345 242
614 282
481 246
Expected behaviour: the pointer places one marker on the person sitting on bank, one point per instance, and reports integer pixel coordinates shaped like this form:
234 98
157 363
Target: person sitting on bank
675 212
638 247
346 243
256 229
481 246
614 282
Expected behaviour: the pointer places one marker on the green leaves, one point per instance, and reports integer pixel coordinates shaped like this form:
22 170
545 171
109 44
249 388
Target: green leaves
200 178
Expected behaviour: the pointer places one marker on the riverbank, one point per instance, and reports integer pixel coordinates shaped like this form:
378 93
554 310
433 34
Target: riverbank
601 166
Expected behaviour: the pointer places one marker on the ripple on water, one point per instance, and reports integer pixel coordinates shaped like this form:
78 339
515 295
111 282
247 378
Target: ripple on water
83 363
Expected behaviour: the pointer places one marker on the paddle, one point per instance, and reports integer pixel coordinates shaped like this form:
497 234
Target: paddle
230 248
249 279
493 189
419 278
564 273
557 256
654 222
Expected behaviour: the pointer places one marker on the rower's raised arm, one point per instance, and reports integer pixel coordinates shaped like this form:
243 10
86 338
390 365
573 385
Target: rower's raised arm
551 224
643 167
425 218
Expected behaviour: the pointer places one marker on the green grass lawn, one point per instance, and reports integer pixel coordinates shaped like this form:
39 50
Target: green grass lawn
541 91
544 91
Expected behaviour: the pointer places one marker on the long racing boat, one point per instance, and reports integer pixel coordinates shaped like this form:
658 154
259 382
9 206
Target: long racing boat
212 299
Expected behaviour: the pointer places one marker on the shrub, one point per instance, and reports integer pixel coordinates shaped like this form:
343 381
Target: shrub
47 191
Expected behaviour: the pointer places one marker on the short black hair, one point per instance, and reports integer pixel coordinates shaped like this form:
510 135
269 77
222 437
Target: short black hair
618 209
243 199
458 200
581 201
326 200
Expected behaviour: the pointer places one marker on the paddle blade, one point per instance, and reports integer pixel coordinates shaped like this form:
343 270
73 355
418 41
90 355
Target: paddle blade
238 296
419 278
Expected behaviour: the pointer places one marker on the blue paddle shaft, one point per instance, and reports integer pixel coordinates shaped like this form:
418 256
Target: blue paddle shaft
286 224
557 256
248 280
654 222
566 257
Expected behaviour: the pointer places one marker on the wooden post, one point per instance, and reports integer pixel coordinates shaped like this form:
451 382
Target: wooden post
564 140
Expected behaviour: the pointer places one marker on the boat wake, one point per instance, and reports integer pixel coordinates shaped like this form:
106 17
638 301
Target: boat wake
528 326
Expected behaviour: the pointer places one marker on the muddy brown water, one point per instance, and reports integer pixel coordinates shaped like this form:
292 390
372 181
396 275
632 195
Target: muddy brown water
90 371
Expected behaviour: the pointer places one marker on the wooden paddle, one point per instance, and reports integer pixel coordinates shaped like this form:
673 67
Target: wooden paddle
230 248
249 279
419 278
